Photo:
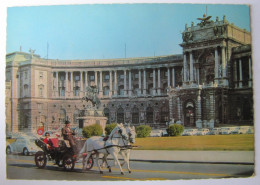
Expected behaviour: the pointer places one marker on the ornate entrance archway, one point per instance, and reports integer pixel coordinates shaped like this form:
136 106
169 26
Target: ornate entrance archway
189 114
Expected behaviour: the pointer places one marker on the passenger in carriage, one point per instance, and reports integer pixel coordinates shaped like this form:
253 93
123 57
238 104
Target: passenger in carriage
47 140
67 134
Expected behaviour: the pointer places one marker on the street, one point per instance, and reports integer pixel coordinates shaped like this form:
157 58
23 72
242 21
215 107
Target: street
23 167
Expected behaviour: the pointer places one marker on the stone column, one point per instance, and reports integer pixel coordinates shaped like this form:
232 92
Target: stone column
185 67
198 76
67 84
140 81
179 109
235 73
144 89
115 88
173 77
216 66
154 82
86 79
223 58
81 84
96 79
57 76
125 88
240 74
159 82
110 84
191 68
199 122
212 110
101 83
71 84
169 77
130 83
250 71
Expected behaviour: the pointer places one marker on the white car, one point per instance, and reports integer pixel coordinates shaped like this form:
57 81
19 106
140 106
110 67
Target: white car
203 131
24 145
156 133
215 131
190 132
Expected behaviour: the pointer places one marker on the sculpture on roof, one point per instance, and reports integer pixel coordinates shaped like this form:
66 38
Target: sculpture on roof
205 20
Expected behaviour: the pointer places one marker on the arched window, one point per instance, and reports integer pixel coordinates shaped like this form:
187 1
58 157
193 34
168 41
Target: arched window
150 89
164 114
75 115
149 115
135 115
121 90
106 113
26 90
62 116
120 115
41 89
106 90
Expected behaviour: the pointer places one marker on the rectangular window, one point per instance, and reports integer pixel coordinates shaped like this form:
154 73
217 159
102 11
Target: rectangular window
122 76
25 75
92 78
106 77
151 75
76 78
136 76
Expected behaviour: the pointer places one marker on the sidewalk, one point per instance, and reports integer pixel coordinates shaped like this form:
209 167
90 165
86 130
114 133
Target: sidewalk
228 157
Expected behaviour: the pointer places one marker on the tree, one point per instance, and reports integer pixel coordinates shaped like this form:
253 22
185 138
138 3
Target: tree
109 128
143 131
175 130
92 130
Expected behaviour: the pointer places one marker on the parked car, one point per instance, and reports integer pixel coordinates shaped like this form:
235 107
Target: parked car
203 131
190 132
215 131
156 133
244 130
225 130
24 145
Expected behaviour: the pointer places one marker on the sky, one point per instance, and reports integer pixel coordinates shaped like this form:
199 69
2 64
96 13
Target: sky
109 31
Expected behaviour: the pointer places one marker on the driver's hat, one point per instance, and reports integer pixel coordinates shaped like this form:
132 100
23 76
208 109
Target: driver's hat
67 122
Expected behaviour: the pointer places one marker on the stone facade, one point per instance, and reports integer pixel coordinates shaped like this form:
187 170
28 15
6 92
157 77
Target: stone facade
206 85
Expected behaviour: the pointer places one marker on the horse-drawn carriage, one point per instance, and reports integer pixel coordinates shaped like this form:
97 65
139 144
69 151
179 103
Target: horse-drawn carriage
59 152
118 142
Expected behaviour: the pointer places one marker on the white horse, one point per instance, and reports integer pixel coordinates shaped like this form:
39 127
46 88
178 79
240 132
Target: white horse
96 145
126 149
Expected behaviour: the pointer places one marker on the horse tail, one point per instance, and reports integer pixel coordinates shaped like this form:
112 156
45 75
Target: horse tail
84 148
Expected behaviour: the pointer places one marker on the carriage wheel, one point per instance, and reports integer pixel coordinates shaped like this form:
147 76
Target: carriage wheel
90 162
68 162
40 159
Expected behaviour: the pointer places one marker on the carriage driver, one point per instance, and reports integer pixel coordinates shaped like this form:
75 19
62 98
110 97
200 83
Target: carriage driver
67 134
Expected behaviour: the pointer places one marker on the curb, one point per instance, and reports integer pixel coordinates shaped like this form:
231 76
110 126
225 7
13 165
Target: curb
199 162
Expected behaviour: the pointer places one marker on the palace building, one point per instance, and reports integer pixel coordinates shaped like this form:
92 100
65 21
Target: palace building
208 85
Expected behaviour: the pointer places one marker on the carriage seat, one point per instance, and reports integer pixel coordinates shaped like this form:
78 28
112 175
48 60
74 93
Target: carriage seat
55 142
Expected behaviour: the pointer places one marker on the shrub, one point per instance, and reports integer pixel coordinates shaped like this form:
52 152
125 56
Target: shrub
143 131
109 128
175 130
92 130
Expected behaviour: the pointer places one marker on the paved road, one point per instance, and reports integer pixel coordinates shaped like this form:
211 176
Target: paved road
23 167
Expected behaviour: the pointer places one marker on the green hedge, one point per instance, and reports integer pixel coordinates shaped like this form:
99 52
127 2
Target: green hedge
109 128
92 130
175 130
143 131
